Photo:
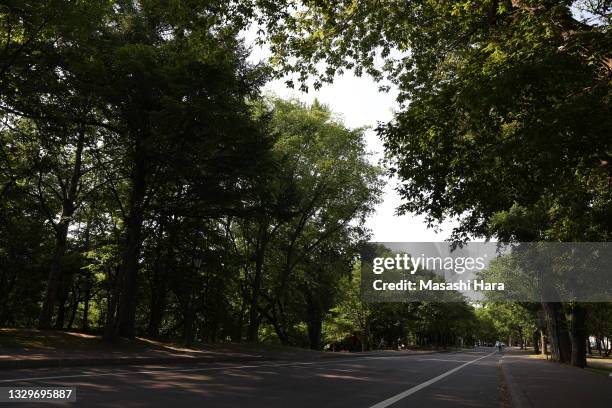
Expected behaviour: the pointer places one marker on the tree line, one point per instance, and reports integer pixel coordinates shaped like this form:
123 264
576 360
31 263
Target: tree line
146 186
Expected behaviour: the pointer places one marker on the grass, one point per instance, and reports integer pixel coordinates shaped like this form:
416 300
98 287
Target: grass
595 364
20 340
600 365
33 339
600 370
46 340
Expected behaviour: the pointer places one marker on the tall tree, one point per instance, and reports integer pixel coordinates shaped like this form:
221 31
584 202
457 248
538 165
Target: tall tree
505 115
176 81
333 188
48 117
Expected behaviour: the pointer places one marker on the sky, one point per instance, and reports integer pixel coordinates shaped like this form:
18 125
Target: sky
359 103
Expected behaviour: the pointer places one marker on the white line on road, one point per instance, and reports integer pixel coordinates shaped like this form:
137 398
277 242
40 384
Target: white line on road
410 391
441 359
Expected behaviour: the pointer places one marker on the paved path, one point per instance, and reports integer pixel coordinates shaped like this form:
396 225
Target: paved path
538 383
462 379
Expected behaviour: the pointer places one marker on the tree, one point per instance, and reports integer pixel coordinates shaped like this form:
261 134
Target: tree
506 110
351 316
161 86
48 121
511 321
313 210
599 322
335 186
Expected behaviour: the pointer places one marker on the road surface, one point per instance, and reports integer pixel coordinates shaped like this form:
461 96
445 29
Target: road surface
460 379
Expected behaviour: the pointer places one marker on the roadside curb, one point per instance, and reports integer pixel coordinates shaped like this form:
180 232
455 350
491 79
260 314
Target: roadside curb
518 399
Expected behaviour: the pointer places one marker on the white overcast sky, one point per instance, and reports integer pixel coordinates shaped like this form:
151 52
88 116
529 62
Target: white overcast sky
357 101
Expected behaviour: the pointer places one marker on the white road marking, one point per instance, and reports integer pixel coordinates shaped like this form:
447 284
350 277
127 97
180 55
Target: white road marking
118 373
440 359
410 391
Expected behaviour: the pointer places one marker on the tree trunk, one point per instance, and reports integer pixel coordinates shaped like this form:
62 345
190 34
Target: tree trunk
544 347
55 276
578 332
599 343
7 283
127 301
159 294
88 284
254 318
365 344
61 233
87 295
188 327
112 298
558 336
588 346
158 306
123 324
158 282
237 331
314 326
63 290
73 310
278 329
535 339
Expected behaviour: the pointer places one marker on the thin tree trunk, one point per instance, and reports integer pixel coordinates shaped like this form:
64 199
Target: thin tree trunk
73 310
87 295
365 344
61 235
63 291
237 332
280 333
535 338
158 284
158 306
599 344
88 284
6 287
55 275
254 318
188 326
588 346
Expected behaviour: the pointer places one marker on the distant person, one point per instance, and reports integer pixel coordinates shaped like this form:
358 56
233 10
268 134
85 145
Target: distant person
498 344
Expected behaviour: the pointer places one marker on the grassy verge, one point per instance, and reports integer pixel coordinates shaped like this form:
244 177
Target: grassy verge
595 364
23 340
47 340
600 365
600 370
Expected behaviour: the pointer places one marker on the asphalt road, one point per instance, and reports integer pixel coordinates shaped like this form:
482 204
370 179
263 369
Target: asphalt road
465 379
